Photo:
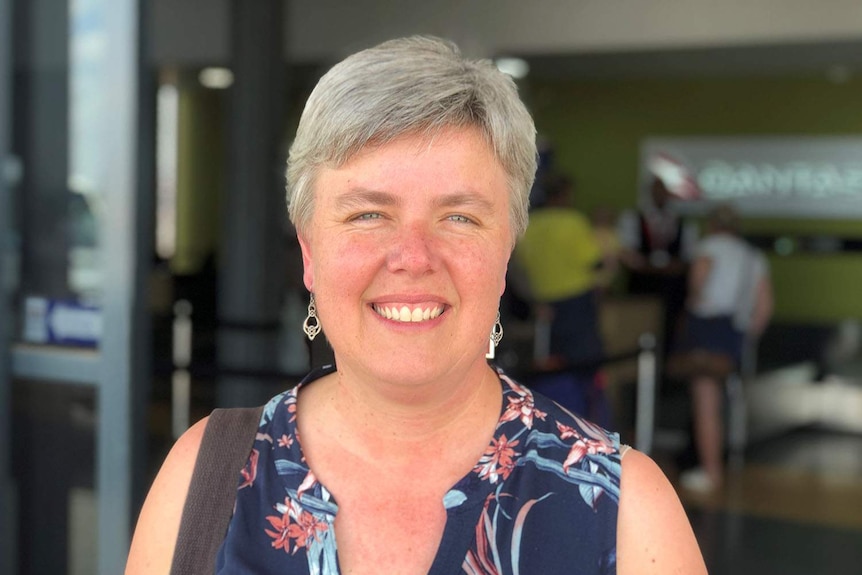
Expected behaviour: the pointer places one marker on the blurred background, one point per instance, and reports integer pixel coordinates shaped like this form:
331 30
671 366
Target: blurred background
148 272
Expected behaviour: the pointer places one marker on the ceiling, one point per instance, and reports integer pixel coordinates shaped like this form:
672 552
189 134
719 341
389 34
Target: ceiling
836 60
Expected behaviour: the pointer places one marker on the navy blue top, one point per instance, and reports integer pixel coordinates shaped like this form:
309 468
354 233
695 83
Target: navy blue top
543 498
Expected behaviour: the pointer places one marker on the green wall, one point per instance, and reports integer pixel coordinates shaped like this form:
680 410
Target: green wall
596 127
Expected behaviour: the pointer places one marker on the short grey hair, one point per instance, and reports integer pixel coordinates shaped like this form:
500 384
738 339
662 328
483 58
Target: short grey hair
415 85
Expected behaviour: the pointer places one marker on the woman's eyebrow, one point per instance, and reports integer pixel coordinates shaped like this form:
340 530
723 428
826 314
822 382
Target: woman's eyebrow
460 199
359 197
364 197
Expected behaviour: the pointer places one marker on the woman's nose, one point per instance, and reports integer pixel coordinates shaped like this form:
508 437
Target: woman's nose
412 250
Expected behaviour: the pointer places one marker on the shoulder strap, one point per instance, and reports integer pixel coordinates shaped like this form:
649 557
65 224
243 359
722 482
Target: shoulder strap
225 447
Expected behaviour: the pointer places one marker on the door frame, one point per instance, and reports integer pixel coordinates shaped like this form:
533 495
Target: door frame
118 369
8 516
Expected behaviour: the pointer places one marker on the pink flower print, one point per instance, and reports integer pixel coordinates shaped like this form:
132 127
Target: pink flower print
249 472
285 441
290 402
279 536
307 483
498 460
582 446
523 408
300 531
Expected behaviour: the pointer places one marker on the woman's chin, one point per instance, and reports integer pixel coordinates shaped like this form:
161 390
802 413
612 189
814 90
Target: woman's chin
415 368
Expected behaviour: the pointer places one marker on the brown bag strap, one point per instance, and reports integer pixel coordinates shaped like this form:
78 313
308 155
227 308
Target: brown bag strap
225 447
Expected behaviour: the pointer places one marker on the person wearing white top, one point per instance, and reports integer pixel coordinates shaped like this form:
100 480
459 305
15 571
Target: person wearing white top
729 301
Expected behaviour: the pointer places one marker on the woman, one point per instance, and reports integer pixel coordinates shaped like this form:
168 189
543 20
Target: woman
408 183
730 301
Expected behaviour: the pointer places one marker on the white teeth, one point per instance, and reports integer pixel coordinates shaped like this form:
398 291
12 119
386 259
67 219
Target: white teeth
405 314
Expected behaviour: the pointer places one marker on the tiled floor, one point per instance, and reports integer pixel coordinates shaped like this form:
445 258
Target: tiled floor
795 507
741 544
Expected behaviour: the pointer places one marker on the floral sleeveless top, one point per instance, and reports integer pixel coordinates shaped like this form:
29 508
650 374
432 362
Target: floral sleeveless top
543 498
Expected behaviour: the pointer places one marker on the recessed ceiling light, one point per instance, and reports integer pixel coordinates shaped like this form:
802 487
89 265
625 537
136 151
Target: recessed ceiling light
515 67
216 78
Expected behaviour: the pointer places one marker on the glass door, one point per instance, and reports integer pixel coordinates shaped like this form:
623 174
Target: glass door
73 239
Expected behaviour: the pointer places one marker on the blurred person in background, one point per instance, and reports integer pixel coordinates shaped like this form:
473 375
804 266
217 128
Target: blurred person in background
729 305
657 246
604 222
408 185
561 257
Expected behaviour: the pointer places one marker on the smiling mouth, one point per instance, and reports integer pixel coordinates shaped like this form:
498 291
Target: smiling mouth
406 314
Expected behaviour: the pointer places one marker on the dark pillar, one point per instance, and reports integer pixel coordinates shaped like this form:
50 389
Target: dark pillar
42 137
251 267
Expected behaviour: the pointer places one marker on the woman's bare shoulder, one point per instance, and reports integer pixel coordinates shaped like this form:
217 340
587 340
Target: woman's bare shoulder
155 535
653 532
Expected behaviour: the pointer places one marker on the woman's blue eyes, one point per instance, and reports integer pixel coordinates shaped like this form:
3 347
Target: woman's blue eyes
376 216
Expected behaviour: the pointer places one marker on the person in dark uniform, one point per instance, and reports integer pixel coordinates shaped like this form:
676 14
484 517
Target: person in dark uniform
656 248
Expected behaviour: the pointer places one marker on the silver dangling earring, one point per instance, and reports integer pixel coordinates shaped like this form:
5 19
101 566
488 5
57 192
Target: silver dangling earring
311 325
496 337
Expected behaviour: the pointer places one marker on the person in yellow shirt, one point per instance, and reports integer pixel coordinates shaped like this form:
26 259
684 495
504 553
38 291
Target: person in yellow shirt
604 223
560 256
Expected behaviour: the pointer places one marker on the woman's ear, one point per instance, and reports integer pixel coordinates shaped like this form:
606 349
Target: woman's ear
307 263
505 275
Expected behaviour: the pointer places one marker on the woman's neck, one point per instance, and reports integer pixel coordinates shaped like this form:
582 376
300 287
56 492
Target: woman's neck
377 415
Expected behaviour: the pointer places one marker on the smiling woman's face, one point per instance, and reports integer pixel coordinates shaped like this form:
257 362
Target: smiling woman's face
406 253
